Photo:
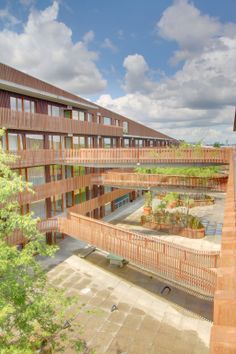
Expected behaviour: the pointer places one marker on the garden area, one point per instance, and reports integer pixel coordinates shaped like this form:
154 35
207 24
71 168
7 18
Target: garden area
167 217
210 171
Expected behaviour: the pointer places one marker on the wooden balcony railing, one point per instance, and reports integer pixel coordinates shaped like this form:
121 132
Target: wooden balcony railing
41 122
58 187
47 225
125 156
187 267
97 202
223 334
123 179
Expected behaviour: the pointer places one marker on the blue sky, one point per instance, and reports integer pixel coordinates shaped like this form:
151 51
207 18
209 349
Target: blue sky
165 63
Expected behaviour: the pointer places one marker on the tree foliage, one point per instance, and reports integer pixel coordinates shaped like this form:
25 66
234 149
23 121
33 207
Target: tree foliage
31 311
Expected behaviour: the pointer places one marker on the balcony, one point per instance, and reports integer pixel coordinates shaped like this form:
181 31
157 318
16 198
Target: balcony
44 123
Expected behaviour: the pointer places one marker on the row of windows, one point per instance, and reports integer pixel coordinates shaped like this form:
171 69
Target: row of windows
17 142
20 104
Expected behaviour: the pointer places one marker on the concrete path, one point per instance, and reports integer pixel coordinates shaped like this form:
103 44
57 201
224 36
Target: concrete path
142 324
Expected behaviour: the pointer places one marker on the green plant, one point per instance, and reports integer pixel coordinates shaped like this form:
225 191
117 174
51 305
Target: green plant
31 310
171 197
148 199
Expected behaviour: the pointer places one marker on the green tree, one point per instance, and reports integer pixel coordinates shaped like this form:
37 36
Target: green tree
216 145
31 311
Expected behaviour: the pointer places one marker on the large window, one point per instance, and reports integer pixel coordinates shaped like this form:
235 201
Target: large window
38 208
125 127
56 142
36 175
89 117
56 172
107 121
21 104
81 116
75 115
54 111
107 143
34 141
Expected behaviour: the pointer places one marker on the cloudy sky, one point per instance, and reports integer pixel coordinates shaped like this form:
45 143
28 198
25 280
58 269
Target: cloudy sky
168 64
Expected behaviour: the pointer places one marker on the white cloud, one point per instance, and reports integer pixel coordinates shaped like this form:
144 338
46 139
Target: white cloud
183 23
198 100
107 43
7 18
45 49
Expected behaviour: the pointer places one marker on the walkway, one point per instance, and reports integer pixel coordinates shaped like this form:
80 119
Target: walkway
143 323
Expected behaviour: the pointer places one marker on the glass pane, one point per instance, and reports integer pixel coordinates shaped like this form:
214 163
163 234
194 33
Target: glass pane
107 121
3 141
49 110
81 116
107 142
32 107
76 142
19 104
36 175
26 106
56 142
34 141
55 111
82 141
68 143
125 127
13 142
68 171
39 209
67 114
13 103
75 115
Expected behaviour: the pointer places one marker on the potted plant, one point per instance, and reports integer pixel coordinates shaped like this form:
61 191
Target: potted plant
171 199
147 203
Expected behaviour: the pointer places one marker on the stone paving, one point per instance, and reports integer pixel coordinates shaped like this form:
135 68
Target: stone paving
143 324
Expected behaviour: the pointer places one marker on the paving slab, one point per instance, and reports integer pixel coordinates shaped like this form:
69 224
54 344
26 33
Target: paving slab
151 324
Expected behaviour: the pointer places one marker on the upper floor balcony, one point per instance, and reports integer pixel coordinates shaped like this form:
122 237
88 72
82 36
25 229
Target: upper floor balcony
10 119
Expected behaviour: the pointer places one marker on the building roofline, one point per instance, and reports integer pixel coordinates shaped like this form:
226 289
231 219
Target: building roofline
29 91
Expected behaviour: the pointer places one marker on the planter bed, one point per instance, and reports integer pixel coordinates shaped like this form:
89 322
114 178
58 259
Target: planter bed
197 202
173 229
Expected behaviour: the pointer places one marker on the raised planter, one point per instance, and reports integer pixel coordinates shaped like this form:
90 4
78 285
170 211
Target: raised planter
173 229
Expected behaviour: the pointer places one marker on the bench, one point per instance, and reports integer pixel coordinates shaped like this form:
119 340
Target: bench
116 260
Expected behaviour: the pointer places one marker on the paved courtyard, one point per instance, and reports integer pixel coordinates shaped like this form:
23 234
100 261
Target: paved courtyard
142 324
211 215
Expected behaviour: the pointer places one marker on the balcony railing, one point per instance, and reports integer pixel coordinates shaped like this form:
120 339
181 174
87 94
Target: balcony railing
57 187
223 335
123 156
41 122
123 179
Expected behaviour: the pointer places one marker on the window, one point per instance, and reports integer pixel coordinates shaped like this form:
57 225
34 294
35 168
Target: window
55 142
82 141
89 117
107 143
126 142
38 208
117 122
125 127
12 142
36 175
107 121
34 141
75 115
56 172
75 142
22 104
81 116
54 111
